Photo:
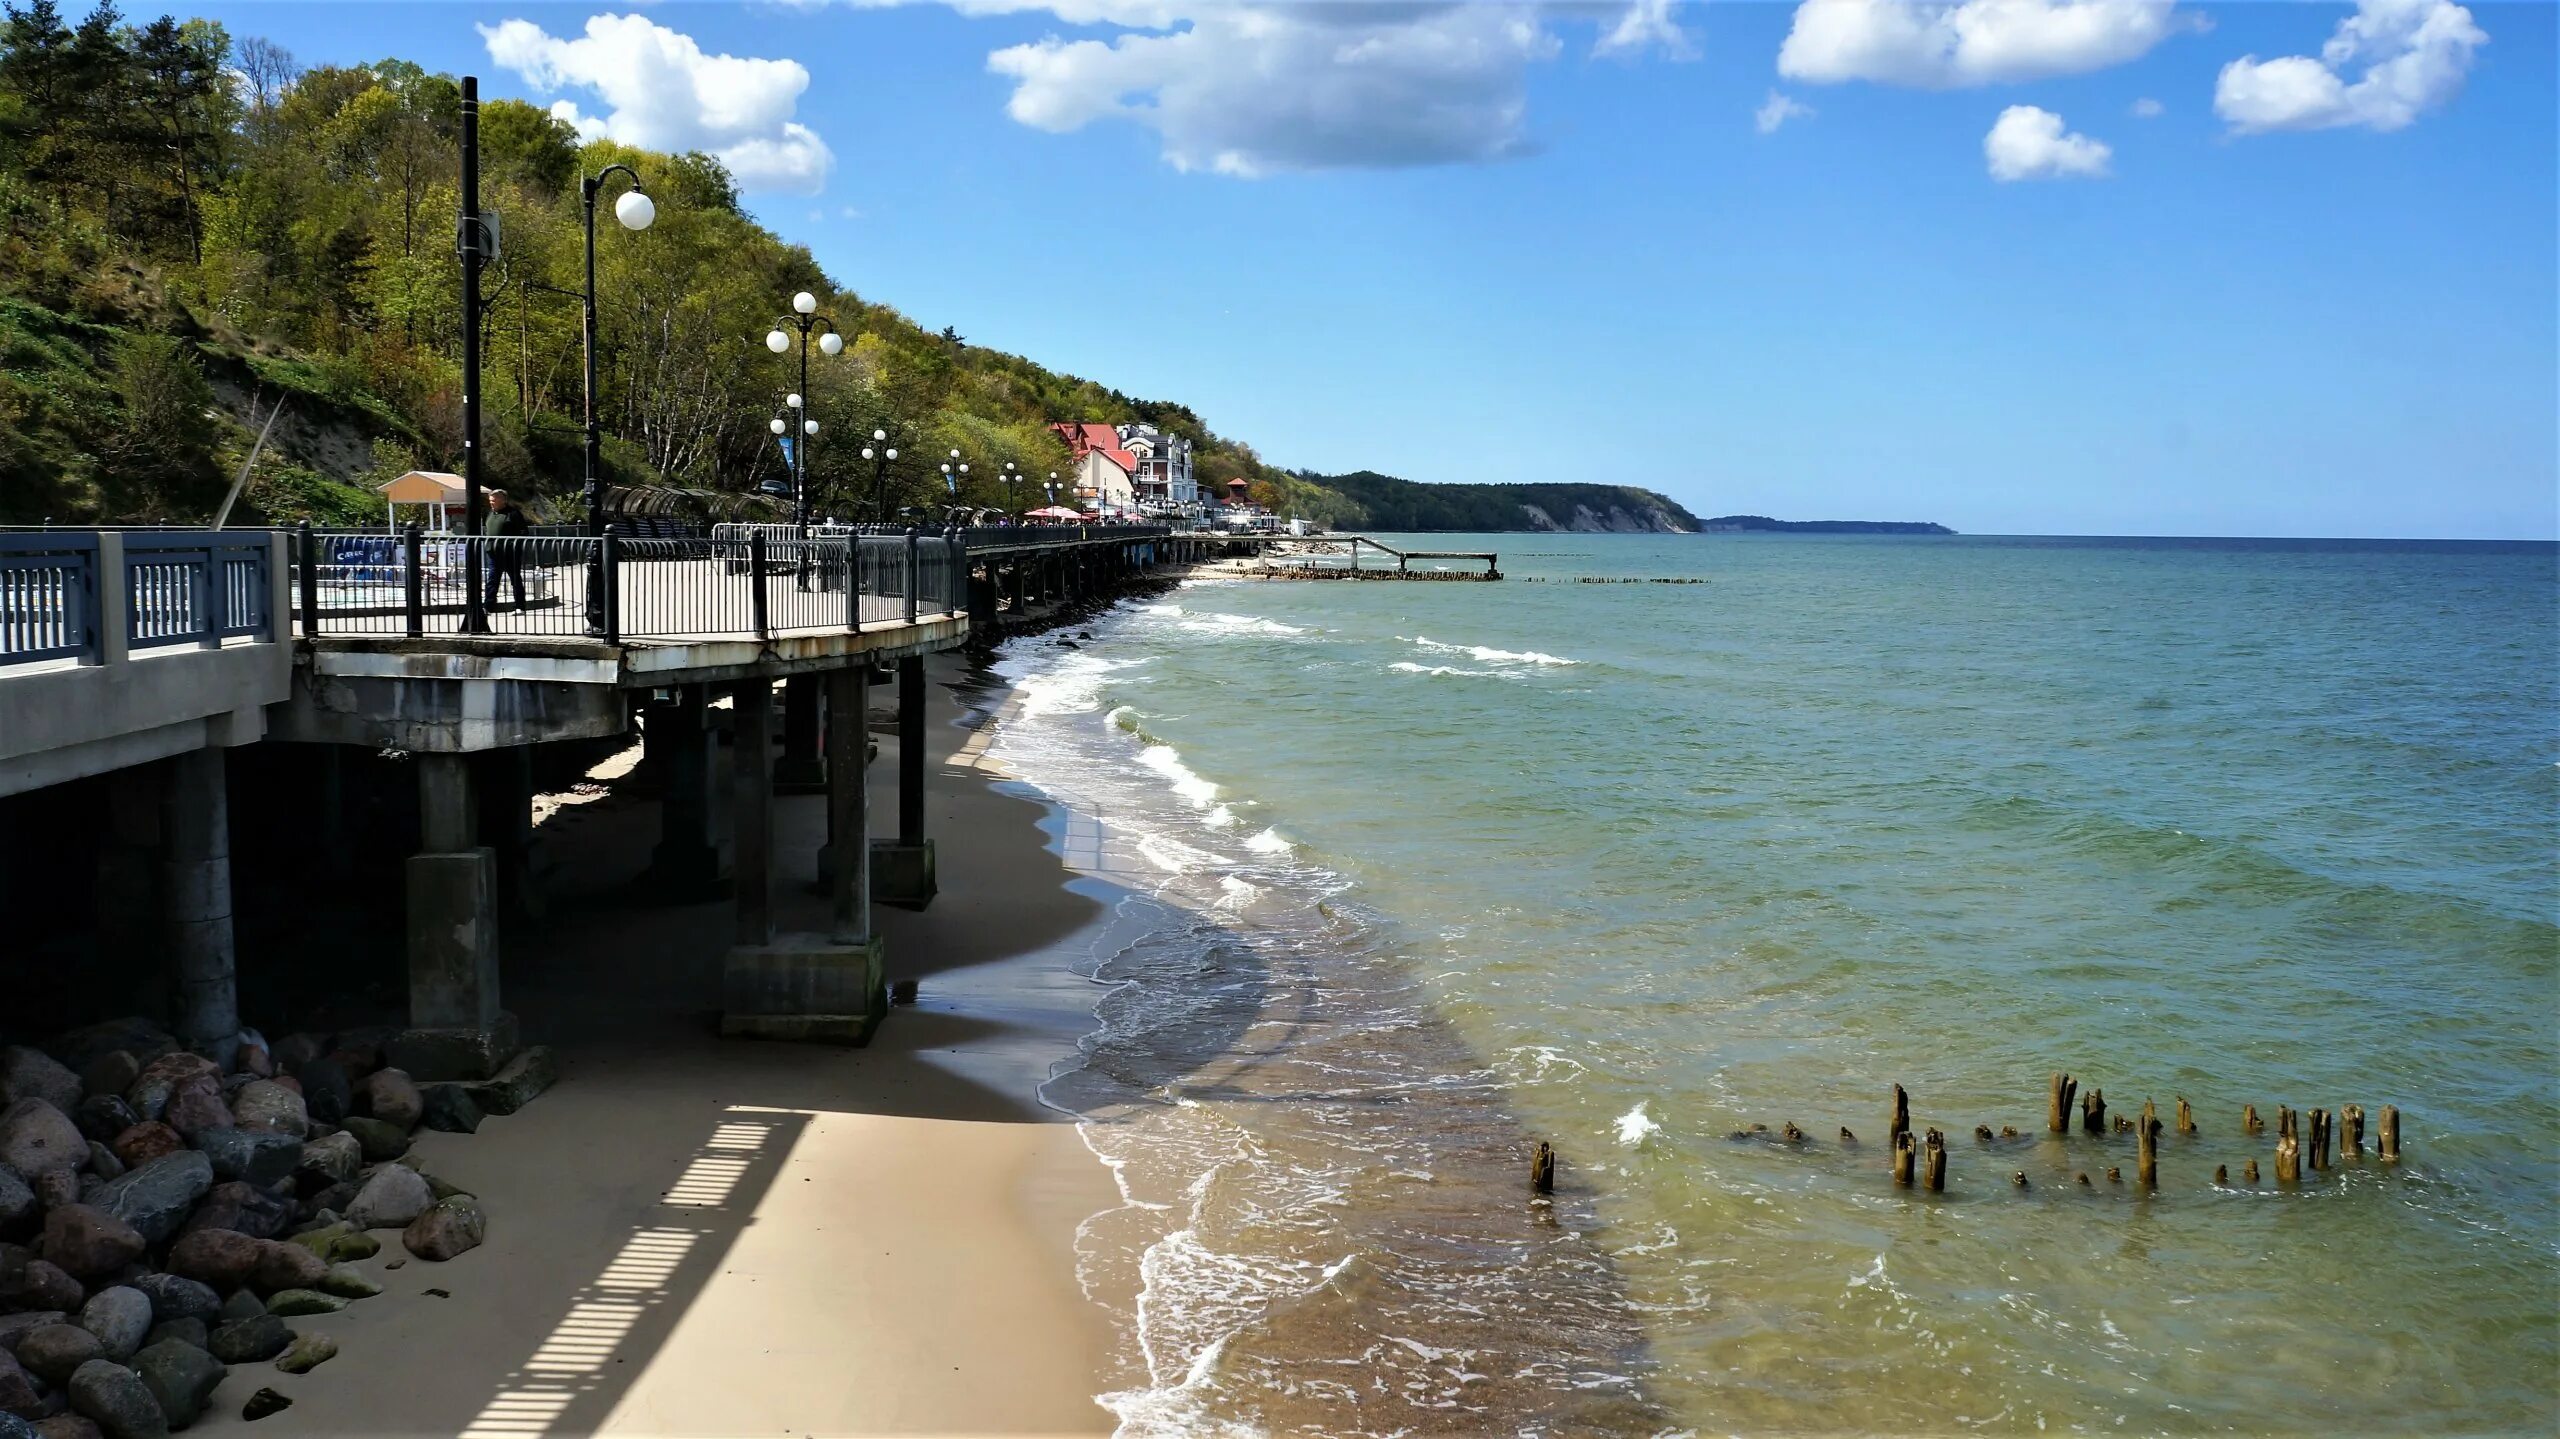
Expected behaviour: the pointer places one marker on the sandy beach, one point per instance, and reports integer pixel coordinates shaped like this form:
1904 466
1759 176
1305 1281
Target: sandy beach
691 1236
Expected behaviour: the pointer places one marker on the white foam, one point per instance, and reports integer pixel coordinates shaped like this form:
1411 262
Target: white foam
1490 655
1220 817
1410 668
1216 623
1269 841
1166 761
1635 1127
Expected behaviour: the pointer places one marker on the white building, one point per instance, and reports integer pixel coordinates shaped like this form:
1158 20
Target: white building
1104 483
1163 475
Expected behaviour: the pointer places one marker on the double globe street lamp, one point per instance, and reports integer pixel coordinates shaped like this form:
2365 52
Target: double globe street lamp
880 452
635 210
805 318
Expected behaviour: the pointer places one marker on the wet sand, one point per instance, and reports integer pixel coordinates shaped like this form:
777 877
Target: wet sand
691 1236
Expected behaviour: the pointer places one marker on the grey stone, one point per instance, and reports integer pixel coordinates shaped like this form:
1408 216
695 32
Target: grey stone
381 1141
17 1201
58 1187
29 1283
19 1393
395 1195
241 1305
247 1341
149 1093
297 1303
196 1106
245 1208
309 1352
174 1296
33 1074
37 1138
448 1108
104 1116
67 1425
87 1241
118 1400
121 1318
264 1403
391 1097
452 1227
56 1351
257 1156
155 1197
13 1427
181 1377
267 1105
327 1094
178 1331
103 1164
14 1327
347 1283
333 1159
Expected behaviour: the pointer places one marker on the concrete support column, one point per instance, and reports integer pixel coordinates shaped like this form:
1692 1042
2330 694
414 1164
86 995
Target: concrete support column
848 804
902 871
195 817
691 860
801 770
751 809
457 1030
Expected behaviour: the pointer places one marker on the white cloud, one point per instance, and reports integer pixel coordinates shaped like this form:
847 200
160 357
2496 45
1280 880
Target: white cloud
1977 42
661 92
1255 88
1645 25
1777 110
2414 55
2027 143
2147 108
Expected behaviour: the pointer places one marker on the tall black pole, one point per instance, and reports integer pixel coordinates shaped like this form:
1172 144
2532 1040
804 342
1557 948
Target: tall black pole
475 243
800 442
595 464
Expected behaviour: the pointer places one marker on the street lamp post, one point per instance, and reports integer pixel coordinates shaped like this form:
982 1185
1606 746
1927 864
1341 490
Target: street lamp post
880 452
635 210
805 318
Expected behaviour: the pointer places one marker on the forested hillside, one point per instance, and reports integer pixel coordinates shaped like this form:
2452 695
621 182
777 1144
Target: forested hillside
1385 502
195 229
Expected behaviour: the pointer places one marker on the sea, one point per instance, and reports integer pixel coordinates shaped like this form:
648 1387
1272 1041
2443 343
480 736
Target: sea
1685 878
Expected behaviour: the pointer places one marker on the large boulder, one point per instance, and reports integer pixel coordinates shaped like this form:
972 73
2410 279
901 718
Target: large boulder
327 1094
155 1197
380 1139
145 1142
394 1196
55 1352
248 1341
118 1400
181 1377
37 1138
449 1108
19 1393
33 1074
453 1226
244 1207
220 1258
174 1297
286 1266
87 1241
179 1331
265 1104
149 1093
259 1156
121 1317
391 1097
309 1352
196 1106
331 1159
28 1283
14 1327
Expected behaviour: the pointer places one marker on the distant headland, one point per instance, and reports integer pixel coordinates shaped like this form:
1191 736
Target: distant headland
1762 524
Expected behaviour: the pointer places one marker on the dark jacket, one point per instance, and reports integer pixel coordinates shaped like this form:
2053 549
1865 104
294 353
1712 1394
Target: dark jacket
507 521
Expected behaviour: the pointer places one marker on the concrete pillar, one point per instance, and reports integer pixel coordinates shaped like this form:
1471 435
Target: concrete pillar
751 809
902 870
800 770
848 803
195 817
456 1028
691 860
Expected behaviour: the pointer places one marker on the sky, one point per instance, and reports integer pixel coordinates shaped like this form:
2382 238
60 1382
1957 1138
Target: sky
2016 266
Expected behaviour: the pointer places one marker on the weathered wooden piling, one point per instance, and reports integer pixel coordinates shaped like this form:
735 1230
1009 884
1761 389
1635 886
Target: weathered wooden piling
2093 1112
1542 1169
1791 1134
1982 1134
2008 1131
1846 1137
2288 1148
2351 1122
1936 1166
2249 1171
2084 1179
1905 1153
2146 1140
2250 1123
2122 1124
2058 1109
2019 1179
2114 1175
1901 1114
2319 1139
2222 1174
2387 1135
2186 1117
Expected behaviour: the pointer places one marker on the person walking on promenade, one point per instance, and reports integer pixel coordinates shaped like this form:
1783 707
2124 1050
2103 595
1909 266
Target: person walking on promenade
506 520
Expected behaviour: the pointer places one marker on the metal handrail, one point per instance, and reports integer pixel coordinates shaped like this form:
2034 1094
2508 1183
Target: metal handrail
194 587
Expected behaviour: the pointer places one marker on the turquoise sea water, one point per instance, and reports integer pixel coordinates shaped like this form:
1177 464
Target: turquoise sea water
1633 867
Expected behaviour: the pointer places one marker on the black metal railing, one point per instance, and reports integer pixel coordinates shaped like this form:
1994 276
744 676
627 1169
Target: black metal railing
48 596
200 588
617 588
60 588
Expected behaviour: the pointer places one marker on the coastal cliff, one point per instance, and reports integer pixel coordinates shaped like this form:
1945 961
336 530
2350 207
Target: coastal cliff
1366 498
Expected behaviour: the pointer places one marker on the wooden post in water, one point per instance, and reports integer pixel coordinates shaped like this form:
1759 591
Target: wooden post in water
2288 1148
2352 1122
1937 1165
2249 1172
1982 1134
2093 1112
2221 1175
1542 1169
1901 1116
2319 1139
2057 1115
2186 1117
2250 1123
1904 1152
2146 1141
2387 1137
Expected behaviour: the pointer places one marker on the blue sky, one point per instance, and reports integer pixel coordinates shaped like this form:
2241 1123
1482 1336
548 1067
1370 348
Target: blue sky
1480 243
